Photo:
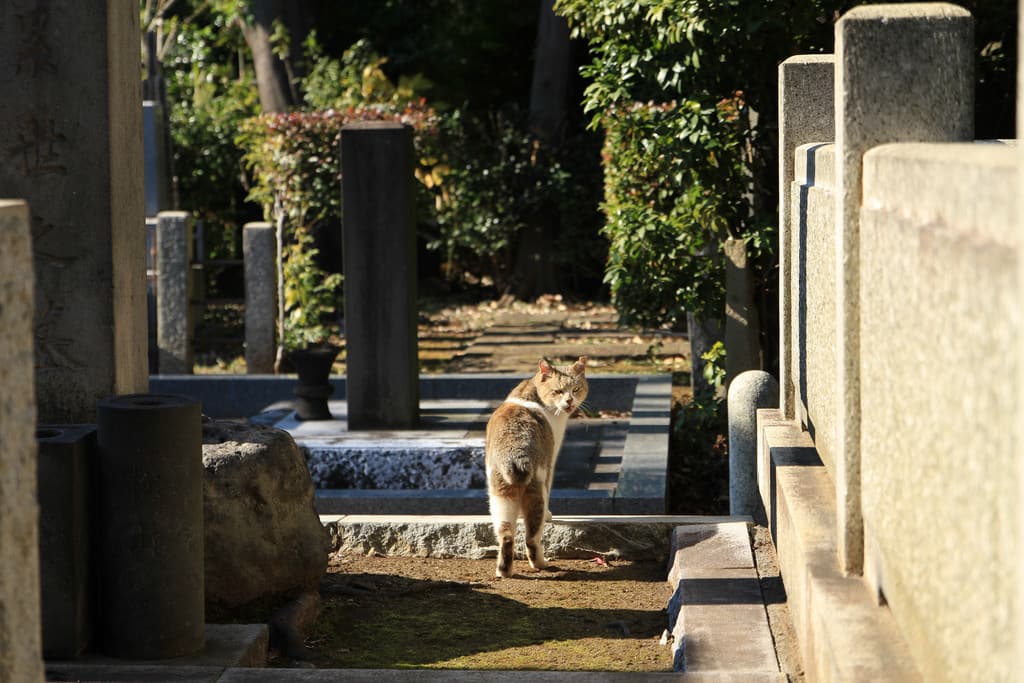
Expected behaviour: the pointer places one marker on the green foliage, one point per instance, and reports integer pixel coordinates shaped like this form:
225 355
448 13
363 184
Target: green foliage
714 366
311 295
498 179
356 79
675 84
208 99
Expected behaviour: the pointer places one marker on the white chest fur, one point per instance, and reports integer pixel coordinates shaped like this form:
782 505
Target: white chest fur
557 421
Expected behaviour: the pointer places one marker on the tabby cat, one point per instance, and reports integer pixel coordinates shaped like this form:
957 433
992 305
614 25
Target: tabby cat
523 438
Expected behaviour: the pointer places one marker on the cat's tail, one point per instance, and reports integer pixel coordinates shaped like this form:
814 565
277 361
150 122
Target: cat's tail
516 471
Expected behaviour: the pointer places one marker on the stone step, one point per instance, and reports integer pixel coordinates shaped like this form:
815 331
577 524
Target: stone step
717 615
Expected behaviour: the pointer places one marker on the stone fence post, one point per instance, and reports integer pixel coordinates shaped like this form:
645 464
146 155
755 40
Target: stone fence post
174 292
382 368
904 73
20 656
259 248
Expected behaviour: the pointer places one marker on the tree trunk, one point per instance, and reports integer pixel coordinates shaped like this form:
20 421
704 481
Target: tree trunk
549 94
552 69
742 322
276 87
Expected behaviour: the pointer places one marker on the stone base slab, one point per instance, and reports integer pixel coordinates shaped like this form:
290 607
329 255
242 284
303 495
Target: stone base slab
844 634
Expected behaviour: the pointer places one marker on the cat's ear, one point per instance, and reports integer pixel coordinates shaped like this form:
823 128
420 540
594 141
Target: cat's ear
545 368
580 366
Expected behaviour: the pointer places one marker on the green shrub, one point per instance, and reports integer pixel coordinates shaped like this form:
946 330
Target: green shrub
208 98
499 179
685 91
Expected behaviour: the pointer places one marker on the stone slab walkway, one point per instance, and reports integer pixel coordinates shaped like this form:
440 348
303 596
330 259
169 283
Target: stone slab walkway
516 341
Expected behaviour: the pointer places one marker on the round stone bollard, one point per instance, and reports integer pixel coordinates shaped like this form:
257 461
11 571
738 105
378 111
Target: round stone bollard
748 392
150 526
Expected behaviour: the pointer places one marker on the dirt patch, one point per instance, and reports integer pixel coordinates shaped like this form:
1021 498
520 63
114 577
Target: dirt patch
578 615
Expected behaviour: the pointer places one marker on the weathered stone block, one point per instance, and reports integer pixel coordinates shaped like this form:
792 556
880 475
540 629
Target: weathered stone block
904 73
806 115
20 656
939 456
813 297
71 131
263 536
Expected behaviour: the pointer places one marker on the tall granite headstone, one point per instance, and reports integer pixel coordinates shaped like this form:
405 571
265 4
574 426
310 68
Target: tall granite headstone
382 370
71 144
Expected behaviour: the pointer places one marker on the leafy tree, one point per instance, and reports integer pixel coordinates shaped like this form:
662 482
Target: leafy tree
685 91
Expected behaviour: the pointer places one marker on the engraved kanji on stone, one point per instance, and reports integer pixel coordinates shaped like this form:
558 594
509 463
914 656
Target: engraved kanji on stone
34 52
39 144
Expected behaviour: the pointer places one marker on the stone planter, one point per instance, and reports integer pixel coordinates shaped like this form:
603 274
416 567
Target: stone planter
313 366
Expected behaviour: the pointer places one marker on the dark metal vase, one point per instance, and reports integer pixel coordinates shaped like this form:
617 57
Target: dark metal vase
313 366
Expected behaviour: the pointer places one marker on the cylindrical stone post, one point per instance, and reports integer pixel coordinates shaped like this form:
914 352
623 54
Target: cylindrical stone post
749 392
259 248
71 141
66 454
150 520
20 656
174 292
379 243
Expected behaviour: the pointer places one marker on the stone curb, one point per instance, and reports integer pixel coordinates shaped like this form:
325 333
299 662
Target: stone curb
628 537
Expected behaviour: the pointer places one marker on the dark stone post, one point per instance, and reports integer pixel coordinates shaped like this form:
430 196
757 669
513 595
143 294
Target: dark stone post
150 520
382 376
65 469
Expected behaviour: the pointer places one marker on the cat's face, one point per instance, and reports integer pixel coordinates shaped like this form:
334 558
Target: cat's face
565 388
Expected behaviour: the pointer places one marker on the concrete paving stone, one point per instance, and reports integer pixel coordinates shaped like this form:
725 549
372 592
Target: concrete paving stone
710 547
226 645
717 615
134 673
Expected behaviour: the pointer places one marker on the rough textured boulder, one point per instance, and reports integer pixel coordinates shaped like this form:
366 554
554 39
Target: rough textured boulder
263 535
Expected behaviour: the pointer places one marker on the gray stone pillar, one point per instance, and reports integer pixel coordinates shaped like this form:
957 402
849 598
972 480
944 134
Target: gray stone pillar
174 292
20 655
71 144
382 375
158 183
904 73
749 392
806 114
259 248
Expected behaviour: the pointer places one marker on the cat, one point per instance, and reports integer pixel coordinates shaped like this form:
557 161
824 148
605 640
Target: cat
523 437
